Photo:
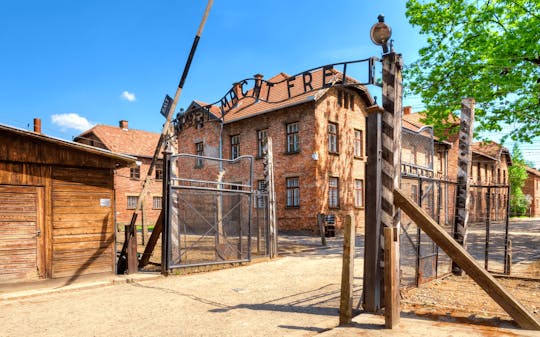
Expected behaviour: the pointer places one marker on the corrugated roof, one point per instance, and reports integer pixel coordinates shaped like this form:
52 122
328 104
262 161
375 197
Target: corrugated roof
132 142
128 160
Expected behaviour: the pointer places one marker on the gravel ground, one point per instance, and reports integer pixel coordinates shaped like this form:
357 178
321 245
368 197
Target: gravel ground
296 295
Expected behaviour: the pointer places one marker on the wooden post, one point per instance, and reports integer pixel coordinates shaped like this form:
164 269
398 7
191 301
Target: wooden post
460 256
320 223
372 255
488 224
391 158
508 259
464 165
391 287
154 237
347 271
271 197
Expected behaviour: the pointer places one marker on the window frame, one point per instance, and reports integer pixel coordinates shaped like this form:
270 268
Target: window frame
158 174
235 146
292 188
129 201
262 137
135 172
358 204
158 204
292 132
333 203
333 138
358 144
199 151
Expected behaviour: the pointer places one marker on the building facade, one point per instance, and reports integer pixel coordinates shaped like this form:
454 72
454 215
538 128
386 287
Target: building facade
56 207
531 188
128 181
318 148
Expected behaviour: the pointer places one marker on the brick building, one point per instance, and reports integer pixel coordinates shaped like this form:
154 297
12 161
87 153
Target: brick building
532 189
128 181
318 147
489 168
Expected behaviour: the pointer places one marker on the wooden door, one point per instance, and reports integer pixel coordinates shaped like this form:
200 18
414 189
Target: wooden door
21 233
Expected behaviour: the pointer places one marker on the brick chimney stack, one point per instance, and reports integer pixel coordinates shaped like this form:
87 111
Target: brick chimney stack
37 125
407 110
123 124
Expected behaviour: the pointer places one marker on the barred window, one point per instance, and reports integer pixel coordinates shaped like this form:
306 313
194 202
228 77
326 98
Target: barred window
333 192
293 139
293 192
157 202
132 202
261 187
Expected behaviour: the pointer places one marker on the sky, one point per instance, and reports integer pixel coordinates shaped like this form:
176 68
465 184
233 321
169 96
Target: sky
75 64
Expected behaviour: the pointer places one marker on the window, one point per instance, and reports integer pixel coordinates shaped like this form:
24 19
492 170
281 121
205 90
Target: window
351 101
346 100
293 192
132 202
293 141
332 138
199 148
478 173
333 192
358 193
135 172
339 98
260 200
235 146
261 142
504 177
159 172
157 202
358 144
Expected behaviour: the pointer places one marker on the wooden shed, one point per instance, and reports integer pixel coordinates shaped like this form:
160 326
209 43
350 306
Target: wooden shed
56 207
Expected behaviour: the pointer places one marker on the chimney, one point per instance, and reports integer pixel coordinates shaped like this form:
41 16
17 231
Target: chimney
123 124
37 125
407 110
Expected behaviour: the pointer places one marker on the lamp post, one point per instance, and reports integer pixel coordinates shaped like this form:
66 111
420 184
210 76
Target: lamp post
383 173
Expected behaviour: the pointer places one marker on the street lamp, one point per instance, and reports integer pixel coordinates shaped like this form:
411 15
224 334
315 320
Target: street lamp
380 33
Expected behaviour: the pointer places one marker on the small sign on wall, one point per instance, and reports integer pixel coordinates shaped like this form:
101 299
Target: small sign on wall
105 202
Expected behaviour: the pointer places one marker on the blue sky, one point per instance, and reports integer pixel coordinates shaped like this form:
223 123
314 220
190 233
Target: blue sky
78 63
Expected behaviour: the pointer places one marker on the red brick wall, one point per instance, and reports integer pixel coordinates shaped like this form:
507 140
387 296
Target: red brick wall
125 186
532 188
313 174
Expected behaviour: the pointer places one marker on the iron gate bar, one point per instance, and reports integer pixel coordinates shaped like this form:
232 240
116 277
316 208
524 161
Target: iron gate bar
212 227
174 184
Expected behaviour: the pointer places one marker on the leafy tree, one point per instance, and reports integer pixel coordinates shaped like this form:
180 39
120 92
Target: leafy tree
517 174
485 49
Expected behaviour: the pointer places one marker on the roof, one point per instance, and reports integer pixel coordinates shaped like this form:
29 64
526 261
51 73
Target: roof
284 91
532 171
414 122
126 160
491 150
132 142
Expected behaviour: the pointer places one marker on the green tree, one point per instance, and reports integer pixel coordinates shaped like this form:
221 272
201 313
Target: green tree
485 49
517 174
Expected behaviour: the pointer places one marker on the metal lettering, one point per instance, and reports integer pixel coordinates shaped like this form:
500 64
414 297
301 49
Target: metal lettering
327 71
290 84
306 77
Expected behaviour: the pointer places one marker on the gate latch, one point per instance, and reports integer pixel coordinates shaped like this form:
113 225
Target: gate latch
38 233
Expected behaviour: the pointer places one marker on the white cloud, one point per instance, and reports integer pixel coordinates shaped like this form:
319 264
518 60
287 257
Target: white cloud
71 121
128 96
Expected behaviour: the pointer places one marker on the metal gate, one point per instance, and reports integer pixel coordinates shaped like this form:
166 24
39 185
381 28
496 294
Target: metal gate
208 210
418 253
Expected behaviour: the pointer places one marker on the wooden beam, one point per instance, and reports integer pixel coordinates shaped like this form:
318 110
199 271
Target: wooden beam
391 286
347 272
460 256
154 237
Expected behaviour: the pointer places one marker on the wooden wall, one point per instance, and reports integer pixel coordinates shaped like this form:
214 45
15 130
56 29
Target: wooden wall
67 195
